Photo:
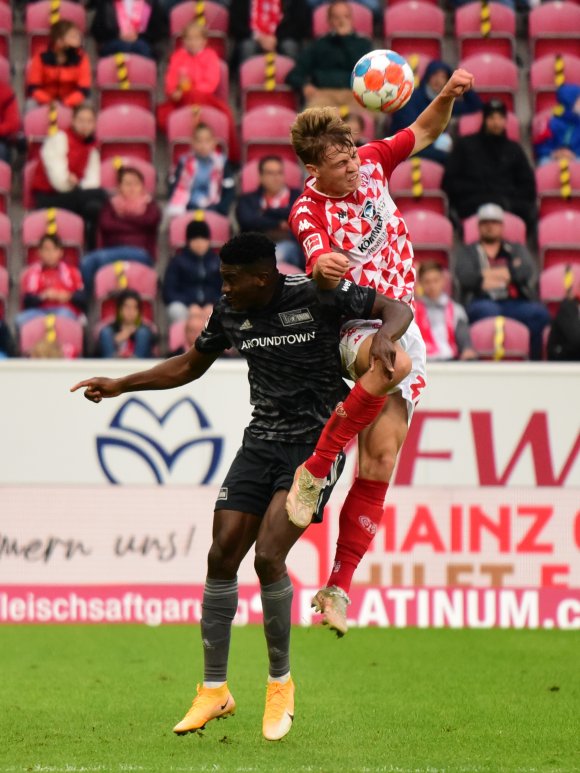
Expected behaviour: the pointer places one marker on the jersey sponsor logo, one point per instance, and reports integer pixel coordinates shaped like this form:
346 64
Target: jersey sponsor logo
304 210
367 524
368 210
295 317
312 243
346 285
304 225
223 493
287 340
247 325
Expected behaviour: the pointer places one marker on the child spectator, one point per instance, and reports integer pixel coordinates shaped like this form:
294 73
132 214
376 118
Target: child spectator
127 336
62 73
193 274
561 140
9 120
128 26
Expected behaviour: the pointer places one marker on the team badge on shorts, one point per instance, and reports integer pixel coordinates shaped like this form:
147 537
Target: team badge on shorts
223 494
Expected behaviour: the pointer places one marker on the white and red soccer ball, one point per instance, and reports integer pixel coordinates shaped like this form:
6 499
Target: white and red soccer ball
382 81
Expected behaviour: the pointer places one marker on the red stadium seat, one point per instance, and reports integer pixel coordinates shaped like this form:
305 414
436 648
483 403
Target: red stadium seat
415 27
496 77
559 238
42 122
500 338
514 229
5 185
69 227
126 79
125 274
416 184
5 30
27 178
547 74
208 14
557 282
181 123
250 177
111 166
176 335
5 238
219 227
4 290
262 82
41 15
5 75
553 29
266 130
431 235
558 186
485 28
540 124
470 124
362 19
122 128
67 332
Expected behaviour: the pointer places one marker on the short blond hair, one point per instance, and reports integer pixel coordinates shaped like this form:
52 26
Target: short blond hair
316 130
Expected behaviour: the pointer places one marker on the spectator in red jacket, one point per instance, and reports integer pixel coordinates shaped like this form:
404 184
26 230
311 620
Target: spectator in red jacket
51 286
62 73
128 225
9 120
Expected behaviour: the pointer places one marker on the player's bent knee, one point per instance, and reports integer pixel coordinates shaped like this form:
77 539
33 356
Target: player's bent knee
269 564
222 562
378 465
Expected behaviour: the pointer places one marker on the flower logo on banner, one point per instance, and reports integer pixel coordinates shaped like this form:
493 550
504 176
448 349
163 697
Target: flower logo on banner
143 446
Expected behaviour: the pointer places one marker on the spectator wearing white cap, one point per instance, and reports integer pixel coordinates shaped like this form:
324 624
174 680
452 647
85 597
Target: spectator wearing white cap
497 278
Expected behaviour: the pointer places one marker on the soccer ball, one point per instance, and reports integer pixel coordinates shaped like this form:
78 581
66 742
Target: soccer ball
382 81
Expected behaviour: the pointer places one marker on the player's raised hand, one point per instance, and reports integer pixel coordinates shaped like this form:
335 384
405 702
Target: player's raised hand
459 82
97 388
332 265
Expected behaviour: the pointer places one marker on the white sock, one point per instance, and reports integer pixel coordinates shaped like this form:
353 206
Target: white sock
281 679
213 685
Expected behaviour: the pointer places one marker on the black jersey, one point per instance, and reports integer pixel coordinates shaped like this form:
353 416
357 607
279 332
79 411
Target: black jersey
291 346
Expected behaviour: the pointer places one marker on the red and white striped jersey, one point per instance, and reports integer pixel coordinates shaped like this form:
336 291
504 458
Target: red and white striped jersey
365 225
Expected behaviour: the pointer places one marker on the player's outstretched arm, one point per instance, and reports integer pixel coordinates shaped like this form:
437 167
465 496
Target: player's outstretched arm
171 373
396 317
434 119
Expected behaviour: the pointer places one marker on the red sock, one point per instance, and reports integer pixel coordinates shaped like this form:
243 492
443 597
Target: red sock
360 516
348 418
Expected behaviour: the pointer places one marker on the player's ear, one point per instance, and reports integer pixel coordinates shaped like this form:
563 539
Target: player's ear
312 170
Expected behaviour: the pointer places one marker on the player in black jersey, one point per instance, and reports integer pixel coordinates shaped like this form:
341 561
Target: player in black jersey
288 331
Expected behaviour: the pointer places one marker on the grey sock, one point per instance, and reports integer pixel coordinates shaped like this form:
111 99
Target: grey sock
277 606
220 603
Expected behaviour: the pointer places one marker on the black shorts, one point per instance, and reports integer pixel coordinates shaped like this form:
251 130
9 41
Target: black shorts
263 467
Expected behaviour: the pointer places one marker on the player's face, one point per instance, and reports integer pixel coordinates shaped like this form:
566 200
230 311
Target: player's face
338 174
243 290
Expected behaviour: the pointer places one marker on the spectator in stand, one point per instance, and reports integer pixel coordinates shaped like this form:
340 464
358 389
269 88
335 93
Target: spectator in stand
561 140
323 71
267 209
268 26
436 76
442 322
564 338
192 327
62 73
357 128
51 286
7 348
376 6
192 78
204 178
127 336
69 172
9 120
497 277
193 274
128 26
128 225
489 167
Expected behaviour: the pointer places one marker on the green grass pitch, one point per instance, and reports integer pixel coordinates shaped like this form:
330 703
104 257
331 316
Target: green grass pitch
91 698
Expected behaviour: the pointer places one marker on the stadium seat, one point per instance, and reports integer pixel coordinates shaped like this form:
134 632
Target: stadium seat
181 123
40 122
266 130
125 274
176 337
111 166
540 124
262 82
5 30
547 74
415 27
416 184
4 290
558 186
470 124
219 227
485 28
41 15
500 338
553 29
5 238
514 229
559 238
418 63
5 185
362 19
213 16
69 227
557 282
5 74
126 79
250 176
67 332
27 178
431 235
121 128
496 77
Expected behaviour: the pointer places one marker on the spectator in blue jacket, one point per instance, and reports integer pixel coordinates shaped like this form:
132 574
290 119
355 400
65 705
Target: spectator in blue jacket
562 136
436 76
193 274
267 209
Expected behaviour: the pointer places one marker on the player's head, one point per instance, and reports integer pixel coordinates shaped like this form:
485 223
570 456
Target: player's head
248 269
324 144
